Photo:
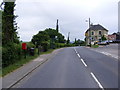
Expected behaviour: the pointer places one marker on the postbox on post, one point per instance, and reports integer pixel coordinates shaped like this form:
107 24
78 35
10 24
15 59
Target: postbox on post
24 47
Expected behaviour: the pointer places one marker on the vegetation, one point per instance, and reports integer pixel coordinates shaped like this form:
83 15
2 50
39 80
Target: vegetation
21 62
79 42
95 46
104 38
49 38
44 42
9 26
10 42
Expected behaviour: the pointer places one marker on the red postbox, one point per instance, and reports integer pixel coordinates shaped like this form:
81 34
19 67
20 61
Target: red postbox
24 46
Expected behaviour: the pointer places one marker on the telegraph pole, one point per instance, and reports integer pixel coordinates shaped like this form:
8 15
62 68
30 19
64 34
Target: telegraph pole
89 32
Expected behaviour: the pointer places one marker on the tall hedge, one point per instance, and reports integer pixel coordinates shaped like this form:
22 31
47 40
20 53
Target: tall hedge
10 54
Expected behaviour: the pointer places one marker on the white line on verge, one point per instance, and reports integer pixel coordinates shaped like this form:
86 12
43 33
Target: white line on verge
97 81
84 62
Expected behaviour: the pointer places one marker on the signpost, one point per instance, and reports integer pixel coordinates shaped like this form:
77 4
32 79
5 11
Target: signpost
24 47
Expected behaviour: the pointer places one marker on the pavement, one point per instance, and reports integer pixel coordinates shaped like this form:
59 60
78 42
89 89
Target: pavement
14 77
109 50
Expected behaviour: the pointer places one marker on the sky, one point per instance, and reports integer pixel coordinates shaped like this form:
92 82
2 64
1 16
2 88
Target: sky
37 15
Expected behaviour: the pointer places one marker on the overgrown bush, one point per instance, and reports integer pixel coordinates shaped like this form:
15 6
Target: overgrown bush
45 46
69 45
10 54
59 45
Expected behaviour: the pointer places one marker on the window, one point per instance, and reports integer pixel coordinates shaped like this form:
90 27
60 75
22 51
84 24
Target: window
92 39
100 32
92 33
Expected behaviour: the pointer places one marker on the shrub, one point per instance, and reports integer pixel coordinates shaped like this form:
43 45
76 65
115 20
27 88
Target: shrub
59 45
45 45
10 54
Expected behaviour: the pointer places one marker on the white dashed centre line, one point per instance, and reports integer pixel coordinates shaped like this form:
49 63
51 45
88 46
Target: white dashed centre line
84 62
99 84
78 55
97 81
76 51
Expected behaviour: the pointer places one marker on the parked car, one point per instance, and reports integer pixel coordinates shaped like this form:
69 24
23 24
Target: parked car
110 41
116 41
103 43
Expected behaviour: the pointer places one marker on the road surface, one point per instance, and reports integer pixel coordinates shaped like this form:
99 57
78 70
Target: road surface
111 50
74 67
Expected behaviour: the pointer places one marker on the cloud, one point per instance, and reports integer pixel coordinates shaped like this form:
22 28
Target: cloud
35 15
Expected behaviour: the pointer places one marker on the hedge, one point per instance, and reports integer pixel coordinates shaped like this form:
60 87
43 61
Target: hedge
12 52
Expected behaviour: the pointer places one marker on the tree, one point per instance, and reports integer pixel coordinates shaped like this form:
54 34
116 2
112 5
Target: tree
39 38
55 35
51 32
48 37
103 38
60 38
75 41
68 39
9 26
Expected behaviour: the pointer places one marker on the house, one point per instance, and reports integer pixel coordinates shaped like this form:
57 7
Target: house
112 37
96 33
117 37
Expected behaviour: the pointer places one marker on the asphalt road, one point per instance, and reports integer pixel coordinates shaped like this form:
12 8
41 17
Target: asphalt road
75 67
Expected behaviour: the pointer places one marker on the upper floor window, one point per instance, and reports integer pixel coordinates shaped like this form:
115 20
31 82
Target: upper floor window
100 33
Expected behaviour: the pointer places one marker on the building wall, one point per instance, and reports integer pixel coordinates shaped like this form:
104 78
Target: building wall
96 36
111 37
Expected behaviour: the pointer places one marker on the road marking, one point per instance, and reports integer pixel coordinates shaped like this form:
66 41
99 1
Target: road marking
81 59
76 51
78 55
107 54
84 62
97 81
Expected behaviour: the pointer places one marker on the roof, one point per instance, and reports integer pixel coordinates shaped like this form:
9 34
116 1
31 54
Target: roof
97 27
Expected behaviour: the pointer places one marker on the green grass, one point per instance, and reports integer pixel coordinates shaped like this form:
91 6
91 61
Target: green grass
21 62
95 46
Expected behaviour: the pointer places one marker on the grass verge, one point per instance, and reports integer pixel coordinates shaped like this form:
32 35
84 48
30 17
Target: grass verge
95 46
21 62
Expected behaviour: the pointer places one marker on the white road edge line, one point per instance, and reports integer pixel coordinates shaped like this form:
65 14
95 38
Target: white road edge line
97 81
84 62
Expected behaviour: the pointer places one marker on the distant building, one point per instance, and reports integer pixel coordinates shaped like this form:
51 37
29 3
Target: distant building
95 34
111 37
117 35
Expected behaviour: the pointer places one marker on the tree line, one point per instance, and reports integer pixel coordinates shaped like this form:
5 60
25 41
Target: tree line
42 41
11 45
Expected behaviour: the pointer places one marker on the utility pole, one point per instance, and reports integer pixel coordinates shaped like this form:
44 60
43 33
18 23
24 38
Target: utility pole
89 32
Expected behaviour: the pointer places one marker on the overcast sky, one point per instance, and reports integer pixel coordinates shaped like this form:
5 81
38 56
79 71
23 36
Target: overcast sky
36 15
